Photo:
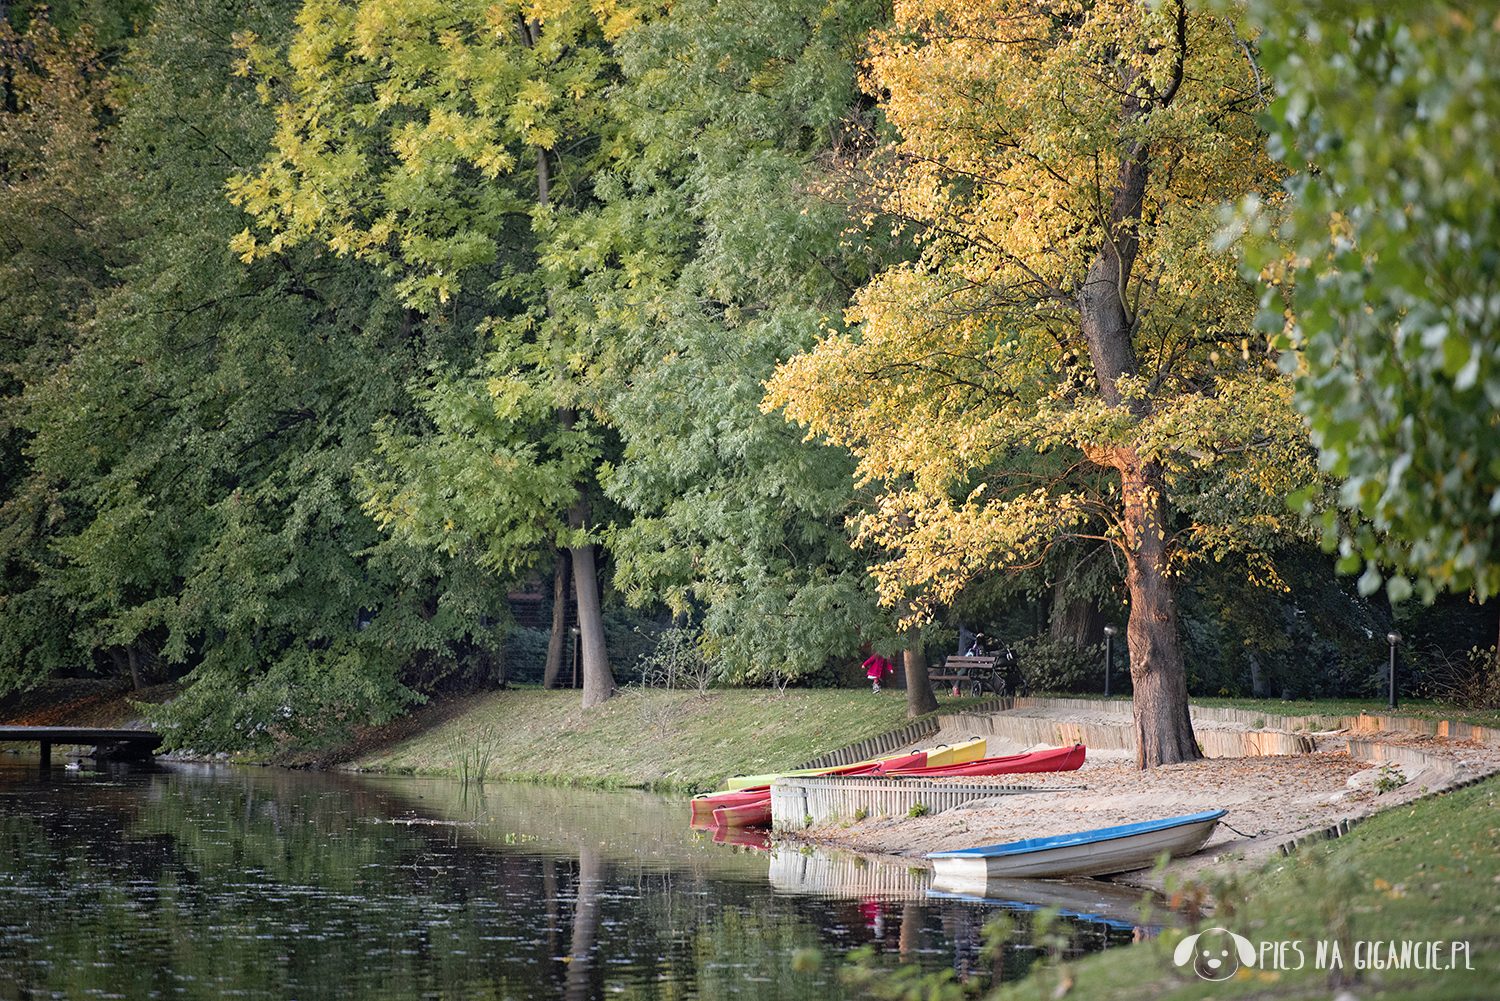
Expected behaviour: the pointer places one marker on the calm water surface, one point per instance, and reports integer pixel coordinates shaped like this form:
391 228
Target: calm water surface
203 882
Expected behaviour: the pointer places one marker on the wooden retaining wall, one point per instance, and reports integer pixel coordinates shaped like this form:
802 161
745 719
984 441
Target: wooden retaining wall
1451 729
1377 753
797 801
1255 744
1121 736
875 746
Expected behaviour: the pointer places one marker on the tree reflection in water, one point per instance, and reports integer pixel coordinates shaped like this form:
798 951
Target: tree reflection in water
195 882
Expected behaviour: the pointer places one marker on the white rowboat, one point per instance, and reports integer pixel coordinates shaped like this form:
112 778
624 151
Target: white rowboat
1085 853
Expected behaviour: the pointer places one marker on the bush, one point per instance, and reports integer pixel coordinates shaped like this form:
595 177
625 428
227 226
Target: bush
308 699
1470 682
1063 666
526 655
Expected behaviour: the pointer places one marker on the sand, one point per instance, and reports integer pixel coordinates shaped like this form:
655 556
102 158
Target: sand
1270 801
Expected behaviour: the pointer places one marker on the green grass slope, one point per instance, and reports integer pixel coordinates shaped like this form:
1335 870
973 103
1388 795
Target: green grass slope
1422 881
658 739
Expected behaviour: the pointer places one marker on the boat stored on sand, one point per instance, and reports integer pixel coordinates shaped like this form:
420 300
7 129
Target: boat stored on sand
1084 853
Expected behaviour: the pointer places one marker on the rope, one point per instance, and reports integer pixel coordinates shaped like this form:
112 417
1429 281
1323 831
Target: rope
1244 835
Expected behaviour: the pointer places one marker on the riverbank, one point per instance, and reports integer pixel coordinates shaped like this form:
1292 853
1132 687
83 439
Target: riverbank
668 741
1270 801
1405 906
674 741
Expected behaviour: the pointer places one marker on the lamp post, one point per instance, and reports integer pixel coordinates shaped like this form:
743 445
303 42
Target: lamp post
1393 638
1109 655
574 631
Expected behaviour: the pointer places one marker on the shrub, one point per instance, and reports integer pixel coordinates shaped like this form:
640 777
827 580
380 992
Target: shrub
1063 666
1472 682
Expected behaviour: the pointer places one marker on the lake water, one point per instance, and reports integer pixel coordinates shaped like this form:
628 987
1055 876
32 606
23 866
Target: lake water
219 882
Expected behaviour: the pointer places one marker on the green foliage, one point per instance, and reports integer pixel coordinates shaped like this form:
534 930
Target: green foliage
734 517
203 434
306 699
1390 778
58 245
1063 666
1387 289
1281 623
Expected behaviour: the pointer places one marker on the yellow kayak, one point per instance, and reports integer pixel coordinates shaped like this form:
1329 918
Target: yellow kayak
943 754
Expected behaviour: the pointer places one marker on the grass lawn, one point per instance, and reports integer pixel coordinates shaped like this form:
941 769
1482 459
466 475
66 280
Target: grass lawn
1428 872
665 740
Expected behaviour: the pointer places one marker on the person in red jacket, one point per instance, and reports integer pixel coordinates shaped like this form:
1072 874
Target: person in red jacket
877 667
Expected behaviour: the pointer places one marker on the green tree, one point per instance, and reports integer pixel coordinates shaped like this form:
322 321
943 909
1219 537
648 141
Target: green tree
1073 350
708 261
58 245
206 425
1385 116
440 141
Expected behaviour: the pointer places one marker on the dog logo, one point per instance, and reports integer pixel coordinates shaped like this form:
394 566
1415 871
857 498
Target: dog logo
1216 953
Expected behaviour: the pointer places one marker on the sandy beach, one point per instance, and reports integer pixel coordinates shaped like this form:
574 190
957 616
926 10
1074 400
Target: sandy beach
1270 801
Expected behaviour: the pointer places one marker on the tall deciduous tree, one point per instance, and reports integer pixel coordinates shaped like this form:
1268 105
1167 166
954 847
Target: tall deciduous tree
709 261
59 242
1391 291
439 139
205 425
1072 350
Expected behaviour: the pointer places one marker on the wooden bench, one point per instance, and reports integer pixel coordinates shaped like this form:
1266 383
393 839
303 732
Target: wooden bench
972 673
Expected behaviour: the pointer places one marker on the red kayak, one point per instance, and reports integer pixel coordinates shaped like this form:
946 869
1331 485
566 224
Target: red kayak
756 814
751 807
1058 759
705 805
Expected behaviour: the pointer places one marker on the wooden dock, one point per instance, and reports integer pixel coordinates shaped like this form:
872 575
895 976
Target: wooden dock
119 744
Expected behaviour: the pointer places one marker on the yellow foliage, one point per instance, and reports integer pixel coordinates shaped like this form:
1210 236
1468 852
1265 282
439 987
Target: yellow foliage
969 383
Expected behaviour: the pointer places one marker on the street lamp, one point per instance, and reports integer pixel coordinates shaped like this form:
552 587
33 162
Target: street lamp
1393 638
1109 655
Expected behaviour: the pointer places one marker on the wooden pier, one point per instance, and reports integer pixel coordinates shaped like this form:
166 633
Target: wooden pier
115 744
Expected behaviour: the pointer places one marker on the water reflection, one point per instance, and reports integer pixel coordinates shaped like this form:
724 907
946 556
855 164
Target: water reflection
203 882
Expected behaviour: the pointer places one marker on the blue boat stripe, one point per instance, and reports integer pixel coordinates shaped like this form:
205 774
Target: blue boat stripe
1081 837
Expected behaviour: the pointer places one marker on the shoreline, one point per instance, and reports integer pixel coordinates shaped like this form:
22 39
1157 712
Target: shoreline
1271 801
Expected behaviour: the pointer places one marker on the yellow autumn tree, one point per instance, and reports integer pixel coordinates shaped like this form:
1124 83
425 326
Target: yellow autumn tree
1073 355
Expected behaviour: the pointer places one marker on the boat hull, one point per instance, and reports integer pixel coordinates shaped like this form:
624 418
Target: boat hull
705 805
1086 853
914 760
756 814
1061 759
956 754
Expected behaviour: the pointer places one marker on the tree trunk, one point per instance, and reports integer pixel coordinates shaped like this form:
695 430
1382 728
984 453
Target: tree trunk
919 698
135 667
1163 728
598 681
558 641
1074 617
